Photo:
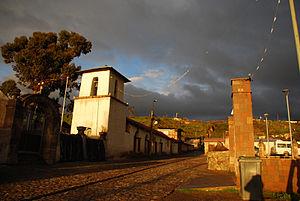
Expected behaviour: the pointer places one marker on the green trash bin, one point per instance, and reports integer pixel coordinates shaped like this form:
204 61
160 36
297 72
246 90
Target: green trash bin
251 187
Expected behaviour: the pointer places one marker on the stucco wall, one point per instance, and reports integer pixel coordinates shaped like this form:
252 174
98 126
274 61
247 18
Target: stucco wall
118 142
92 113
103 83
172 133
166 146
119 94
106 84
174 148
140 133
144 133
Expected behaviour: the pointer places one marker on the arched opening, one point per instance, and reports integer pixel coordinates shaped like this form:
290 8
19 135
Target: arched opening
37 122
116 89
33 129
161 147
137 142
147 145
94 86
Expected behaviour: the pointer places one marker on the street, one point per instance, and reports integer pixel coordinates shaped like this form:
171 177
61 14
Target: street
141 180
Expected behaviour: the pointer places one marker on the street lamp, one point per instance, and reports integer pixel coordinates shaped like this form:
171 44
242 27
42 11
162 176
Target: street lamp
267 131
151 125
286 93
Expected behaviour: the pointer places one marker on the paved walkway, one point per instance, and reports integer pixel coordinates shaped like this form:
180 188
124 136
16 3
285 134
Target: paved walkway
208 185
211 180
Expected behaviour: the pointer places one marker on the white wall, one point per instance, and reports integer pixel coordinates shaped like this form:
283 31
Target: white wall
103 83
92 113
118 142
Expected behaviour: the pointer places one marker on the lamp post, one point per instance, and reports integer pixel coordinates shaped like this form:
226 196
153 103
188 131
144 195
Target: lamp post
151 126
286 93
267 132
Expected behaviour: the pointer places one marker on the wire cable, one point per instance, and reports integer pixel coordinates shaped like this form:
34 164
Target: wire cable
266 49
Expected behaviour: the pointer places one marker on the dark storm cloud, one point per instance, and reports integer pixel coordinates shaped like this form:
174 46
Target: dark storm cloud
186 106
217 40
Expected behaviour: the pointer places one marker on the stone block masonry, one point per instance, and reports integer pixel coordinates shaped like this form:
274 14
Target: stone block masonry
281 175
243 117
218 160
241 132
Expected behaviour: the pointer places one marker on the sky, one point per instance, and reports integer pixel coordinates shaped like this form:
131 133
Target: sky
183 53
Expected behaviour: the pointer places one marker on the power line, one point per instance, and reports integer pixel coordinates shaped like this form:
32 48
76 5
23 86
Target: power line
265 51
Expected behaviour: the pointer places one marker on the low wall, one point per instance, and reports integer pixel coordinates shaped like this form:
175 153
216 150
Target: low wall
281 175
218 160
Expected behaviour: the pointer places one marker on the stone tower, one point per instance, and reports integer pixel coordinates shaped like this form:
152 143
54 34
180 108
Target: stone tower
241 132
101 108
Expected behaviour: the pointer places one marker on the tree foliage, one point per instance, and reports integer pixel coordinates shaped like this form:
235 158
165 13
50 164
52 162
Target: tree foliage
9 88
44 59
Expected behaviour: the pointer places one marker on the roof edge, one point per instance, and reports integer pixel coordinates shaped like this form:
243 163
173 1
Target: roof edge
104 68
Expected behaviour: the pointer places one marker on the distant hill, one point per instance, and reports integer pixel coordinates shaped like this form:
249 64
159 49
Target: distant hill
219 128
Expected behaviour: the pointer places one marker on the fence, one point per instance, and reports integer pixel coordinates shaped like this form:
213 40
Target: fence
79 147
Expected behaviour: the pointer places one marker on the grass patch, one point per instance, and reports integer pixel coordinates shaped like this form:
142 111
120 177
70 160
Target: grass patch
282 196
212 189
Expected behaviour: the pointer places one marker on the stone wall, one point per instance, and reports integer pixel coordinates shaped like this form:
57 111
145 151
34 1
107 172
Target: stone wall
241 131
218 160
281 175
242 117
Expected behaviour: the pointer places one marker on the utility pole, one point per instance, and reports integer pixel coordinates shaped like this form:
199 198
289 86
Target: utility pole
286 93
296 31
63 106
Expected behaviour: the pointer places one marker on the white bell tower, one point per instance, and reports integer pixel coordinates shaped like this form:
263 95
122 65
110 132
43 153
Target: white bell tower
100 105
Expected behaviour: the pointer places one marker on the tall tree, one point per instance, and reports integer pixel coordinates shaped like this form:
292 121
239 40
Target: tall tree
42 62
9 88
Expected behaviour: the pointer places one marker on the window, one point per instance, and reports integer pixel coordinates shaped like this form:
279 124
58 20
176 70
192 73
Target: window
94 87
137 144
281 145
155 147
147 145
116 89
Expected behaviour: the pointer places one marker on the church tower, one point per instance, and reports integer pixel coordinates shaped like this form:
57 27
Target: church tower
100 106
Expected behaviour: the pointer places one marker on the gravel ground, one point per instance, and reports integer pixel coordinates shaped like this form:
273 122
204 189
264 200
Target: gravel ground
145 180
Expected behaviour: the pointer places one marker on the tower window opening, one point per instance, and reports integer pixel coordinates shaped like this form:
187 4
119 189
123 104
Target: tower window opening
94 87
116 89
